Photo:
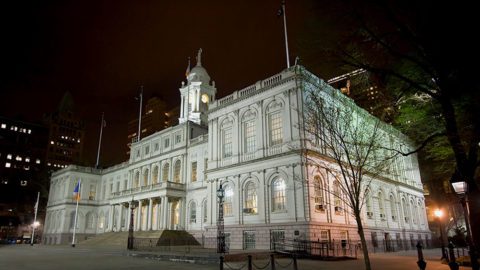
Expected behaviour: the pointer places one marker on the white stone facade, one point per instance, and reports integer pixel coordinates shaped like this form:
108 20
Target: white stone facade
249 142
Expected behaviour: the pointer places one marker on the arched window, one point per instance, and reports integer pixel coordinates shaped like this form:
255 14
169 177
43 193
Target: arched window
248 124
414 212
275 123
72 219
155 175
337 196
250 198
393 207
405 211
106 219
145 177
318 193
227 138
368 202
278 194
136 181
90 219
176 171
165 171
381 206
204 210
193 212
228 202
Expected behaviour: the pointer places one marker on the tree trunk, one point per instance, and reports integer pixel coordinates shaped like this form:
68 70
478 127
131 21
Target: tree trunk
366 258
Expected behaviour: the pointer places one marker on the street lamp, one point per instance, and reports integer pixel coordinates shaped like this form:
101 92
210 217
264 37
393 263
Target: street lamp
461 188
220 225
130 228
439 214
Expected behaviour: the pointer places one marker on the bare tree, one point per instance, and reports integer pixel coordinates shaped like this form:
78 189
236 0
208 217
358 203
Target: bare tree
353 142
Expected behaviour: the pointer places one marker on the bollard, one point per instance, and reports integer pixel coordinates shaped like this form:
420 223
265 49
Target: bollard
452 264
221 262
295 266
272 262
421 262
250 262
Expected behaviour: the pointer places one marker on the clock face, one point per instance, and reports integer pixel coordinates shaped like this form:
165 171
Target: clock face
205 98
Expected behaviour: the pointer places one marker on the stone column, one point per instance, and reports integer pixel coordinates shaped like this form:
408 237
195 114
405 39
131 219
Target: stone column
129 213
149 215
120 217
110 218
139 216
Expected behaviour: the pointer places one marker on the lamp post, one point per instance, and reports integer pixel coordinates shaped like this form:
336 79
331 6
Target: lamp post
438 214
461 188
130 227
220 225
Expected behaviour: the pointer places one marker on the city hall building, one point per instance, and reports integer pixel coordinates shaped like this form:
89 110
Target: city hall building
251 143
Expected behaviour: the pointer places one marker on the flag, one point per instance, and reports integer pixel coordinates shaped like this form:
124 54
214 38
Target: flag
76 191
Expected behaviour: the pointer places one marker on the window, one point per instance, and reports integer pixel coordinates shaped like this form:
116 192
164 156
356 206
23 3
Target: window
405 211
178 138
23 183
147 150
89 221
101 221
337 197
324 236
165 170
9 156
176 171
193 212
249 133
278 194
4 126
248 240
194 171
156 147
250 198
393 208
8 165
368 202
318 193
381 206
166 143
136 182
275 128
227 142
145 177
91 195
227 203
27 159
37 161
204 211
155 175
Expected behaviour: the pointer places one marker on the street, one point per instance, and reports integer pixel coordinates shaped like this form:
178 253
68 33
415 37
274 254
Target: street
66 257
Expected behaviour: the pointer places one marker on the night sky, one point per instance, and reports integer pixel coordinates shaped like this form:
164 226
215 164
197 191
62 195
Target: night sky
102 51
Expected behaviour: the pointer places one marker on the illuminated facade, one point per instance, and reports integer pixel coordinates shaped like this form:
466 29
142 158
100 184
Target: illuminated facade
249 142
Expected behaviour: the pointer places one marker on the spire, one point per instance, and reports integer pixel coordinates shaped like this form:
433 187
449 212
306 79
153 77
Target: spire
199 58
188 68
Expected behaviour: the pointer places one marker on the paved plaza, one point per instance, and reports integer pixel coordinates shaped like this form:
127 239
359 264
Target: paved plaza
66 257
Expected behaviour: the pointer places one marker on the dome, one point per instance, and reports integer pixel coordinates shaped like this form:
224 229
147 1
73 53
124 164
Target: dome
199 74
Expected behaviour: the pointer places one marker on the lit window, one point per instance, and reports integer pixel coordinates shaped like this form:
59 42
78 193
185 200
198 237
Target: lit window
278 194
193 212
38 161
26 168
8 165
78 140
166 142
227 142
5 182
29 131
194 171
249 130
9 156
227 204
166 169
176 171
251 198
276 130
4 126
52 142
23 183
27 159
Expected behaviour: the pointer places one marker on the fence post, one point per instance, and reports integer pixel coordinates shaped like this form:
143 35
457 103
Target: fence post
421 262
221 262
250 262
295 267
453 264
272 262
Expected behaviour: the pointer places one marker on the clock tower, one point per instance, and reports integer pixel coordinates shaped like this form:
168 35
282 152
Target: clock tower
196 94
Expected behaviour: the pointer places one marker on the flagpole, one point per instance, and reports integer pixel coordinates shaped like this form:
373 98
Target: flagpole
76 211
100 140
34 220
285 32
140 113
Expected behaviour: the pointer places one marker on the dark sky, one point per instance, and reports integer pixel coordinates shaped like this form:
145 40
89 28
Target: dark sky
101 51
